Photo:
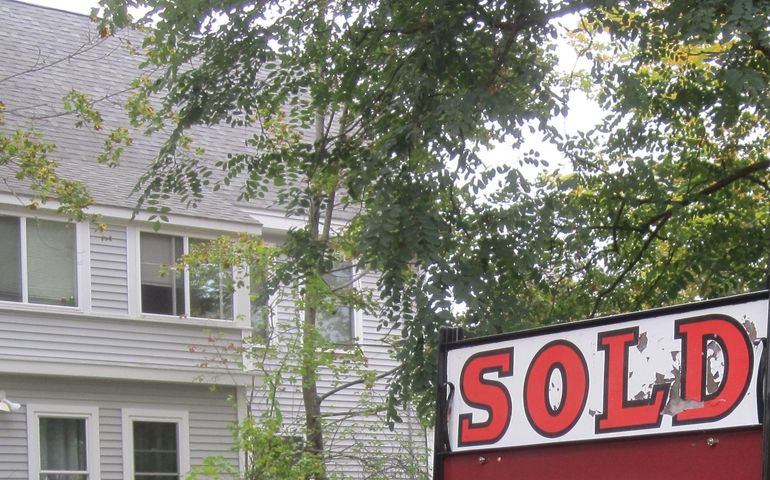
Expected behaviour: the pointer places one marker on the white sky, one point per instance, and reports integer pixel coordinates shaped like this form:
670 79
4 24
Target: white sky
582 112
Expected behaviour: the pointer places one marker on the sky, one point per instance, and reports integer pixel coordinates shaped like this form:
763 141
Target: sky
582 112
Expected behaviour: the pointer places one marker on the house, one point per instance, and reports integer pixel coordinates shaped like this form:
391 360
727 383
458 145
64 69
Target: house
105 361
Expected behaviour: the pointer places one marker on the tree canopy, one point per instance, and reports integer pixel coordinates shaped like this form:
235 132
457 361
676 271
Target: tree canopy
665 199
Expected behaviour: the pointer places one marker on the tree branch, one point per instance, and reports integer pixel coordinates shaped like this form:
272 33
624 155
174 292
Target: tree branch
352 383
660 220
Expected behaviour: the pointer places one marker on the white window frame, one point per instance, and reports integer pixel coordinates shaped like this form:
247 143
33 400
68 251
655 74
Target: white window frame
180 417
91 417
82 265
241 306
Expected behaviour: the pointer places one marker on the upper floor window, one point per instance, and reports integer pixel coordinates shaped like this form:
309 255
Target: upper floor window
337 326
38 261
203 291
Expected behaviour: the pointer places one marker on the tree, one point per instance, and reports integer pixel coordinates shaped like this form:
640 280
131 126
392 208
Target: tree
401 95
680 161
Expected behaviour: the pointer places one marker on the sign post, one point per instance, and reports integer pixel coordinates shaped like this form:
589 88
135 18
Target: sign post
677 390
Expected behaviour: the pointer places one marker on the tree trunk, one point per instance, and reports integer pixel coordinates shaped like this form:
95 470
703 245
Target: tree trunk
310 398
313 423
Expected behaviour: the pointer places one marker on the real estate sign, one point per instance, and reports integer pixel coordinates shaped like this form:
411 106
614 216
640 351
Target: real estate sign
663 372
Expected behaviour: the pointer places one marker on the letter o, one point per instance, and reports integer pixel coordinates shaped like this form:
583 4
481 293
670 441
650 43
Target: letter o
565 357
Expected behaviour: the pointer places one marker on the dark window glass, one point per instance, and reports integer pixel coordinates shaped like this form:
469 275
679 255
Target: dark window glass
162 287
211 290
155 450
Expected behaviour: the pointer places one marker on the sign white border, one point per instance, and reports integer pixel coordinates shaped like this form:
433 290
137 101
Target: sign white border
655 358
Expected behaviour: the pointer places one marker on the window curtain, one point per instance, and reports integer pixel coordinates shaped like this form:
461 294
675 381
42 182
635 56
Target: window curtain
51 267
63 446
10 259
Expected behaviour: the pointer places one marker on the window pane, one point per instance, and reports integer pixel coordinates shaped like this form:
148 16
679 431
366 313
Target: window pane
162 288
51 267
211 290
63 444
10 259
155 449
337 326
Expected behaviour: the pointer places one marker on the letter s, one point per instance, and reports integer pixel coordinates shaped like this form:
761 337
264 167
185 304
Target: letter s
488 395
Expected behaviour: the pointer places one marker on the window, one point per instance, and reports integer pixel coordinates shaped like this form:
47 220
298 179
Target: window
156 450
63 442
155 444
204 291
260 305
38 261
337 326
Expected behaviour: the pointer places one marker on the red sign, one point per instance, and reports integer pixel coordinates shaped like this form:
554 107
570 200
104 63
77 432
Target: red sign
670 373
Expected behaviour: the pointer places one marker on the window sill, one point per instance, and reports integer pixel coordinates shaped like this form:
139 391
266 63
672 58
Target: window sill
77 312
205 322
38 307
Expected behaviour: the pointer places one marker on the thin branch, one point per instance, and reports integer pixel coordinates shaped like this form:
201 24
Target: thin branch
39 65
352 383
632 264
659 221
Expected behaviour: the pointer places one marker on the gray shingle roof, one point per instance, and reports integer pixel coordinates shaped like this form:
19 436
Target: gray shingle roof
44 53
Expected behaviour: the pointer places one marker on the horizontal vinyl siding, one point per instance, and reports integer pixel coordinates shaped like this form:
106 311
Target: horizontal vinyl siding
210 415
101 341
109 274
358 443
13 443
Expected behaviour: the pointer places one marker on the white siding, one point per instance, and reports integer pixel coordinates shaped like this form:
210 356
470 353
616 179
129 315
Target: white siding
109 275
99 342
360 441
210 413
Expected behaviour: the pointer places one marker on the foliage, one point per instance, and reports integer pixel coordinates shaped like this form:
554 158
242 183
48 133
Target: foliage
666 200
30 157
401 96
670 188
277 355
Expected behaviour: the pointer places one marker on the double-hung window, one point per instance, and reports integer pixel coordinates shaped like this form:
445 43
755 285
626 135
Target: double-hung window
155 444
38 261
202 291
63 442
